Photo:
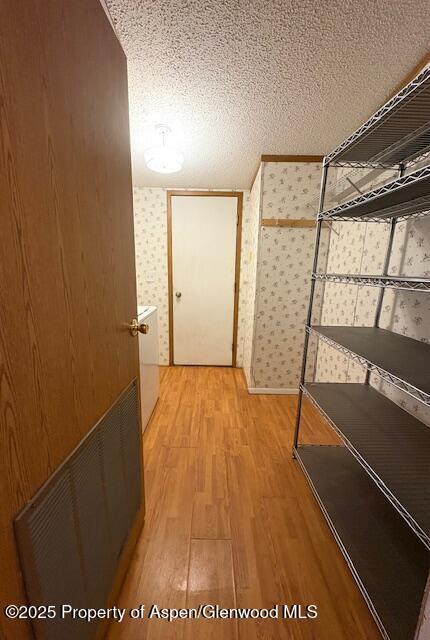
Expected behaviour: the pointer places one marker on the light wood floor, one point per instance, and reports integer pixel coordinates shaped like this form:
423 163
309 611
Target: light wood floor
231 519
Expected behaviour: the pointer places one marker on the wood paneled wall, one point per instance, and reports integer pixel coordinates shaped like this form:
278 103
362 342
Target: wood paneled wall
67 275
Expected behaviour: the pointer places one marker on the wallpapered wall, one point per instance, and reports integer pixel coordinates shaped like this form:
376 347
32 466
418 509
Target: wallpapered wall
250 240
150 230
288 190
360 248
150 216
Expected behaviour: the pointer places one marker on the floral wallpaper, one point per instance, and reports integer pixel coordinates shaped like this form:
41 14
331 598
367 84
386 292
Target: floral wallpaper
360 248
250 244
150 228
150 219
283 274
289 189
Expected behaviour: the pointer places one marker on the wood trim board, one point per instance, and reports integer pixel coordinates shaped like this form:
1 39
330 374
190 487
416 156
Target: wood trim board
293 223
284 158
170 273
219 194
231 194
424 61
239 210
290 158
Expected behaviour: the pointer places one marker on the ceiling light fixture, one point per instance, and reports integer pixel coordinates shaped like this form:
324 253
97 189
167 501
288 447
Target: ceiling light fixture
163 158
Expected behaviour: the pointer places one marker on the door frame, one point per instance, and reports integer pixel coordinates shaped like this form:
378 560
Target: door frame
239 208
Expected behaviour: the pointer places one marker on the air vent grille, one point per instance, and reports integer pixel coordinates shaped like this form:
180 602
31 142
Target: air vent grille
70 535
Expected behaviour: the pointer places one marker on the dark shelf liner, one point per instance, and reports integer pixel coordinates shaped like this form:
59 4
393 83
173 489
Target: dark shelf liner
397 131
394 444
391 562
405 196
405 358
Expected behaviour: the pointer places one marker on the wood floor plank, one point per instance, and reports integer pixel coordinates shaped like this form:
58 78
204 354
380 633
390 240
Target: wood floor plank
211 513
312 572
227 505
163 575
211 581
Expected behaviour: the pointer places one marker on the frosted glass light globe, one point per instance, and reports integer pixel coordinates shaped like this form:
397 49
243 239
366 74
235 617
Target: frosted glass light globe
163 158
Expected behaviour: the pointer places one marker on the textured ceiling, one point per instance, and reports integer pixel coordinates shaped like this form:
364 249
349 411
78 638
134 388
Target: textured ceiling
238 78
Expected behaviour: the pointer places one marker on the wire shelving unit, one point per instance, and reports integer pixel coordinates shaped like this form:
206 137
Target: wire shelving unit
374 487
402 283
398 132
401 198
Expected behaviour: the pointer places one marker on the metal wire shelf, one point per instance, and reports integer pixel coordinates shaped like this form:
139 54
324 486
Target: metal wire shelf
401 283
406 196
377 545
389 463
397 132
379 220
298 453
355 182
365 165
371 367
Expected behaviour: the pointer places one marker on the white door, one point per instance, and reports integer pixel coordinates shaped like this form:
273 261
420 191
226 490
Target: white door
204 232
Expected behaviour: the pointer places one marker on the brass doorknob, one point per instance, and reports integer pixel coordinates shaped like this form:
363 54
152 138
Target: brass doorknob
136 327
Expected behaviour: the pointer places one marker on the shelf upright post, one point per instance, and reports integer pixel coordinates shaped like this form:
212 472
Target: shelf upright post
311 300
385 270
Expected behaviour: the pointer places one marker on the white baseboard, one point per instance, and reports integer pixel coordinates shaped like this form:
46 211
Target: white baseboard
268 390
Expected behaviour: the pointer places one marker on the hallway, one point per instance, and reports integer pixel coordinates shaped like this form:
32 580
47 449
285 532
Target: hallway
230 519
